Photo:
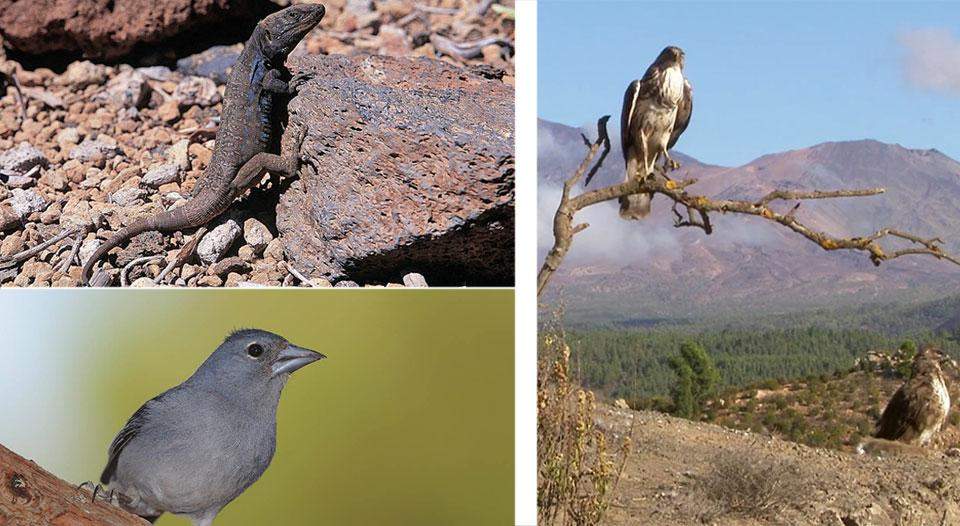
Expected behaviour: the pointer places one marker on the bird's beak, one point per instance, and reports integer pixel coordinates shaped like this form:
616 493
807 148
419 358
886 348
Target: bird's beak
293 358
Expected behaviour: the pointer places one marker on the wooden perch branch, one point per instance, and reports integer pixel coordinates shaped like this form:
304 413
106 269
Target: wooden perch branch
30 495
699 209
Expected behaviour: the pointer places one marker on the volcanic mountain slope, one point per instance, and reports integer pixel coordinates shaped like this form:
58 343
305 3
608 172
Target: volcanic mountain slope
629 272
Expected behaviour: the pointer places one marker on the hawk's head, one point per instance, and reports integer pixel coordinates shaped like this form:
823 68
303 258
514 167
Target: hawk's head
671 55
928 359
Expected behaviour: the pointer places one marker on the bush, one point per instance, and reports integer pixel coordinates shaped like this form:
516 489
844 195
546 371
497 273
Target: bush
576 472
742 484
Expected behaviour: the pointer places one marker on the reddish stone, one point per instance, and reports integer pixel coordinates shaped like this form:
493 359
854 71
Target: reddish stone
409 167
109 29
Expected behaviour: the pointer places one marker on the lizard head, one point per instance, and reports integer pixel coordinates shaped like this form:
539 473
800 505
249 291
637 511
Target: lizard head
280 32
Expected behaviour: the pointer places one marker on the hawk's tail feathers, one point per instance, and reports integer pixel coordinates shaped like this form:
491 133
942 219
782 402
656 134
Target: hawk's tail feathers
635 206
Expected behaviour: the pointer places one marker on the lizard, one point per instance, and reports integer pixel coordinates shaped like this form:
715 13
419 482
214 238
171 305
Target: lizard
240 157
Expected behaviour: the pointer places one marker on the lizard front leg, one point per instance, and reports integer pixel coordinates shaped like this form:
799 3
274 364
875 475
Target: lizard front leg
273 82
285 164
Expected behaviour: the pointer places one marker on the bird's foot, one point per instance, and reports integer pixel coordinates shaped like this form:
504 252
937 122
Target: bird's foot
672 165
101 493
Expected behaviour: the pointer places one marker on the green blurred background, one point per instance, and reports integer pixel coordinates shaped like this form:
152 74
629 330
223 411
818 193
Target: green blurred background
409 421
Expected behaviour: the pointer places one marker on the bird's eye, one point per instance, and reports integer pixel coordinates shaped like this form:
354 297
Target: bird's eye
255 350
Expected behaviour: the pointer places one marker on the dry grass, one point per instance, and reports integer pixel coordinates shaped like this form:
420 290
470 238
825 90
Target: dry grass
741 484
577 471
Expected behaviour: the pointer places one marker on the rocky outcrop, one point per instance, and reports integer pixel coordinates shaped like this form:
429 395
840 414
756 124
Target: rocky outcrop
407 165
109 29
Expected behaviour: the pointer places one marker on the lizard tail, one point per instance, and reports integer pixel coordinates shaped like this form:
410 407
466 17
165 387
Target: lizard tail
195 212
121 236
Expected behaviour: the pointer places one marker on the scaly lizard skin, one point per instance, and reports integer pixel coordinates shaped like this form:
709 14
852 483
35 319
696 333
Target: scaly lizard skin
240 156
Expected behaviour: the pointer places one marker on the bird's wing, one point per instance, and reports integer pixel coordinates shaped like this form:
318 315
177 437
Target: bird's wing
893 421
644 89
684 110
130 430
924 409
629 102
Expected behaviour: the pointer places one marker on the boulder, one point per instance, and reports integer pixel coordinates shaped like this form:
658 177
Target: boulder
109 30
214 63
409 166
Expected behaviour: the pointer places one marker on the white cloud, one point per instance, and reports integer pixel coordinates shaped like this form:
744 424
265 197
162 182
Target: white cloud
609 238
932 59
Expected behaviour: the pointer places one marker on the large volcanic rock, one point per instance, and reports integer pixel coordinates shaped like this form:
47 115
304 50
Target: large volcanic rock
109 29
408 167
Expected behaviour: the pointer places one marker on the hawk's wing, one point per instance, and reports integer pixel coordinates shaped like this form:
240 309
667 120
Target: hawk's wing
684 110
626 115
643 89
893 421
907 415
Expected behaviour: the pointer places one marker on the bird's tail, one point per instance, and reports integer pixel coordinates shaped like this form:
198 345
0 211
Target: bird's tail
634 206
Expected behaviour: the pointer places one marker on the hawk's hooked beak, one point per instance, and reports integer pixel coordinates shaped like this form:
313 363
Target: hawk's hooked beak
293 358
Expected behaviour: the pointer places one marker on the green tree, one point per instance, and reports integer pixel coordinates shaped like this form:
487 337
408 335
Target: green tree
697 380
706 378
909 350
683 398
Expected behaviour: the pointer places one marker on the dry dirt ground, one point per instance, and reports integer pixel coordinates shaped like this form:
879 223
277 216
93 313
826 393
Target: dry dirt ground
669 472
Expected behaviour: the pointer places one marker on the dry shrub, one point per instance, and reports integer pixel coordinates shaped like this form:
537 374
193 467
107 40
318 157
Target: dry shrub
577 472
742 484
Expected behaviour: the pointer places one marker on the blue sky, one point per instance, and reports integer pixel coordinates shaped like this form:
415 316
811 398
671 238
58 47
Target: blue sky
766 77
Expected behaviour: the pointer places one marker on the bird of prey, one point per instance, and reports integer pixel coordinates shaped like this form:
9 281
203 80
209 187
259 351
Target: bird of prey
196 447
920 406
656 111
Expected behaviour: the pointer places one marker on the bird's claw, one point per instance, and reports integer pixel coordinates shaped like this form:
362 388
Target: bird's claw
101 493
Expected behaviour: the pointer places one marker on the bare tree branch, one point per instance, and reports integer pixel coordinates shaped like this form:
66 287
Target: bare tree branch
31 495
699 209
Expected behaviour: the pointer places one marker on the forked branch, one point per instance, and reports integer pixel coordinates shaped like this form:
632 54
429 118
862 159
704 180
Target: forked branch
698 210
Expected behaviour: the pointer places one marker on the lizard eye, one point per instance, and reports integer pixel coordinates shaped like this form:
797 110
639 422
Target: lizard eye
255 350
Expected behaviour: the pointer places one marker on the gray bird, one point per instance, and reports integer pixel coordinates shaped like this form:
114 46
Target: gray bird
198 446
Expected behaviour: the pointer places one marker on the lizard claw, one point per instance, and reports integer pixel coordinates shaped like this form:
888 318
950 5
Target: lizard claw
299 78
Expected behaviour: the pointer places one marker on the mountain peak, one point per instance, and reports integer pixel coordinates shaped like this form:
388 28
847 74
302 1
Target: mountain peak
746 259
